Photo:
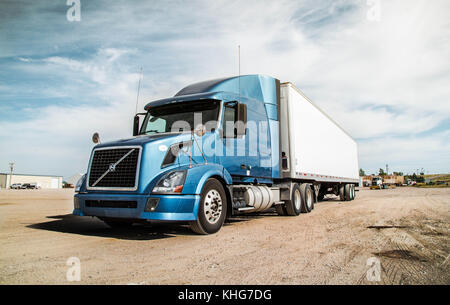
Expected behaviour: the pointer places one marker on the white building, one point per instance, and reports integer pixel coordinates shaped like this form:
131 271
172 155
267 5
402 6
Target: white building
42 181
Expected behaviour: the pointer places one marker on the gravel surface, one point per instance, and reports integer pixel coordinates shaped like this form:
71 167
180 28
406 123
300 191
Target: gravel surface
406 230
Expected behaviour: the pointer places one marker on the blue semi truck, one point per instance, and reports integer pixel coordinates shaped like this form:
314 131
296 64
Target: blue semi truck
218 148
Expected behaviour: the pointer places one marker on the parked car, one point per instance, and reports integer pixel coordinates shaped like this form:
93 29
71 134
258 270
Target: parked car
30 186
16 186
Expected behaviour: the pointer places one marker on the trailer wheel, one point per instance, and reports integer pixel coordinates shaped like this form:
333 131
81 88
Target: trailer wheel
342 192
212 210
294 206
348 195
307 198
352 192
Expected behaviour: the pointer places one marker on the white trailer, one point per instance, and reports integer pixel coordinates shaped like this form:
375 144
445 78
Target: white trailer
314 147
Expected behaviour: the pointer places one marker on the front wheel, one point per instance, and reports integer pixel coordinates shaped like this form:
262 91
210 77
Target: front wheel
212 209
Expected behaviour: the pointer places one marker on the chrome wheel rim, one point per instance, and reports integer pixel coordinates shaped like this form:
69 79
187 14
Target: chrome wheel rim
212 206
297 199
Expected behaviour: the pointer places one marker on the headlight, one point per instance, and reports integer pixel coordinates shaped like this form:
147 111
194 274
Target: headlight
172 182
79 183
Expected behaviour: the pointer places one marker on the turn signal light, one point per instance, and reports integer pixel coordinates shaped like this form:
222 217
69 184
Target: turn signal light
178 189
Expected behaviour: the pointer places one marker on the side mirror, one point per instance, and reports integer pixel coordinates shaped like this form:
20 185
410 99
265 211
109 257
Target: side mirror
136 125
96 138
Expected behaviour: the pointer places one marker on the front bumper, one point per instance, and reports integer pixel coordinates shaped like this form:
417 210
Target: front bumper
169 208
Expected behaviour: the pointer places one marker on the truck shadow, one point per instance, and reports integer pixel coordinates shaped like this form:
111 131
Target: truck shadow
248 217
94 227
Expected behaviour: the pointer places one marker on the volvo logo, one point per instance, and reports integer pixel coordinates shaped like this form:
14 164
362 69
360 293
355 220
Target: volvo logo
112 167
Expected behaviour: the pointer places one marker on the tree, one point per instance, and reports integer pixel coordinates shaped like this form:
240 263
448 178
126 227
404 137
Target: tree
381 172
361 172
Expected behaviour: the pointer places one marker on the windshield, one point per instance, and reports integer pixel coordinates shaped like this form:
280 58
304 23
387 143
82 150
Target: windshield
179 117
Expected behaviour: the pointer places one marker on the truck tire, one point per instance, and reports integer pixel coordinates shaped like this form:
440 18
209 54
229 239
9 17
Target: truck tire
212 210
347 191
342 192
294 206
352 192
307 197
281 209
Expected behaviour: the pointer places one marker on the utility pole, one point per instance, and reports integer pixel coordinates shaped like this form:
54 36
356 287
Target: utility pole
11 167
387 169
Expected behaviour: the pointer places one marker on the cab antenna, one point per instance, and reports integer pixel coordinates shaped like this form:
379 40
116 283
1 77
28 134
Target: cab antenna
139 87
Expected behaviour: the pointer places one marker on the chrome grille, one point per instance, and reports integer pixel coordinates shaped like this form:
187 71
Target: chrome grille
115 168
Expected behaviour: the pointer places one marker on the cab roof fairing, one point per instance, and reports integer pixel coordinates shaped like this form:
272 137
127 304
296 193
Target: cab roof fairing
185 98
258 87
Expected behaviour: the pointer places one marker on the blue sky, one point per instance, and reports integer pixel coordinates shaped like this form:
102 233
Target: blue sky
386 82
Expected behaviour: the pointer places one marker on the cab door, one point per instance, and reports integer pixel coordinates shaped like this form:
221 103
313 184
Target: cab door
231 150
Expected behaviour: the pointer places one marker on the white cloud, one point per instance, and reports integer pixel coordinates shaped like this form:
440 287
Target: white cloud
59 137
24 59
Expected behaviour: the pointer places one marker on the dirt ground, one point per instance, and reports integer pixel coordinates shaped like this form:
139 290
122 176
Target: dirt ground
405 229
